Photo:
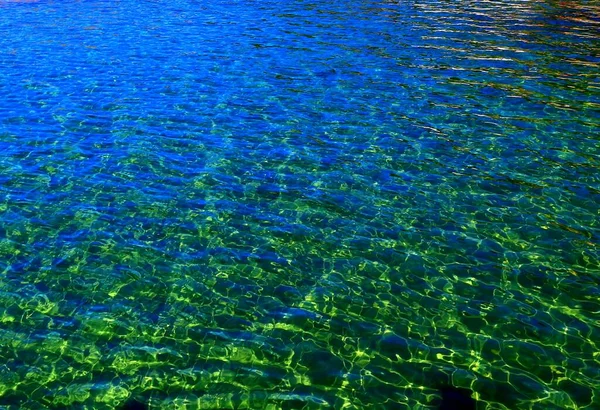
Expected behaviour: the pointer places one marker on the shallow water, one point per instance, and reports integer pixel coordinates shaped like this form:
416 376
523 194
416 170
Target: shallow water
264 204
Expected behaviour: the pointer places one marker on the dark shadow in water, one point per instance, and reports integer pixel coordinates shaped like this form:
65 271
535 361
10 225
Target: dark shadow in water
134 405
453 398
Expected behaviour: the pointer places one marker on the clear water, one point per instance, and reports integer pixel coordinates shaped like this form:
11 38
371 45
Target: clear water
299 204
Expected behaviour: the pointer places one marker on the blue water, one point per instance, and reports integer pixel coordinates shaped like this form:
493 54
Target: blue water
302 204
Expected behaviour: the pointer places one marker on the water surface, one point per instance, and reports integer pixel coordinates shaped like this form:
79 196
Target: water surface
303 204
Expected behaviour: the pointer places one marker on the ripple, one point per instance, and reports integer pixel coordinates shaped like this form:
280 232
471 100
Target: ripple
247 205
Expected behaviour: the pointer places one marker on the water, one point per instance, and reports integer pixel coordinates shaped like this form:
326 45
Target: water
264 204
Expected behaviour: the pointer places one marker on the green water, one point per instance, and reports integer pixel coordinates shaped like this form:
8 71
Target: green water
266 205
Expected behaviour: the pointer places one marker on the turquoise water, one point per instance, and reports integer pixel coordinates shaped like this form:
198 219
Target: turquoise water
303 204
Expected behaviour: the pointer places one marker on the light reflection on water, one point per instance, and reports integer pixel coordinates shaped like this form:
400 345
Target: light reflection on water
265 205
